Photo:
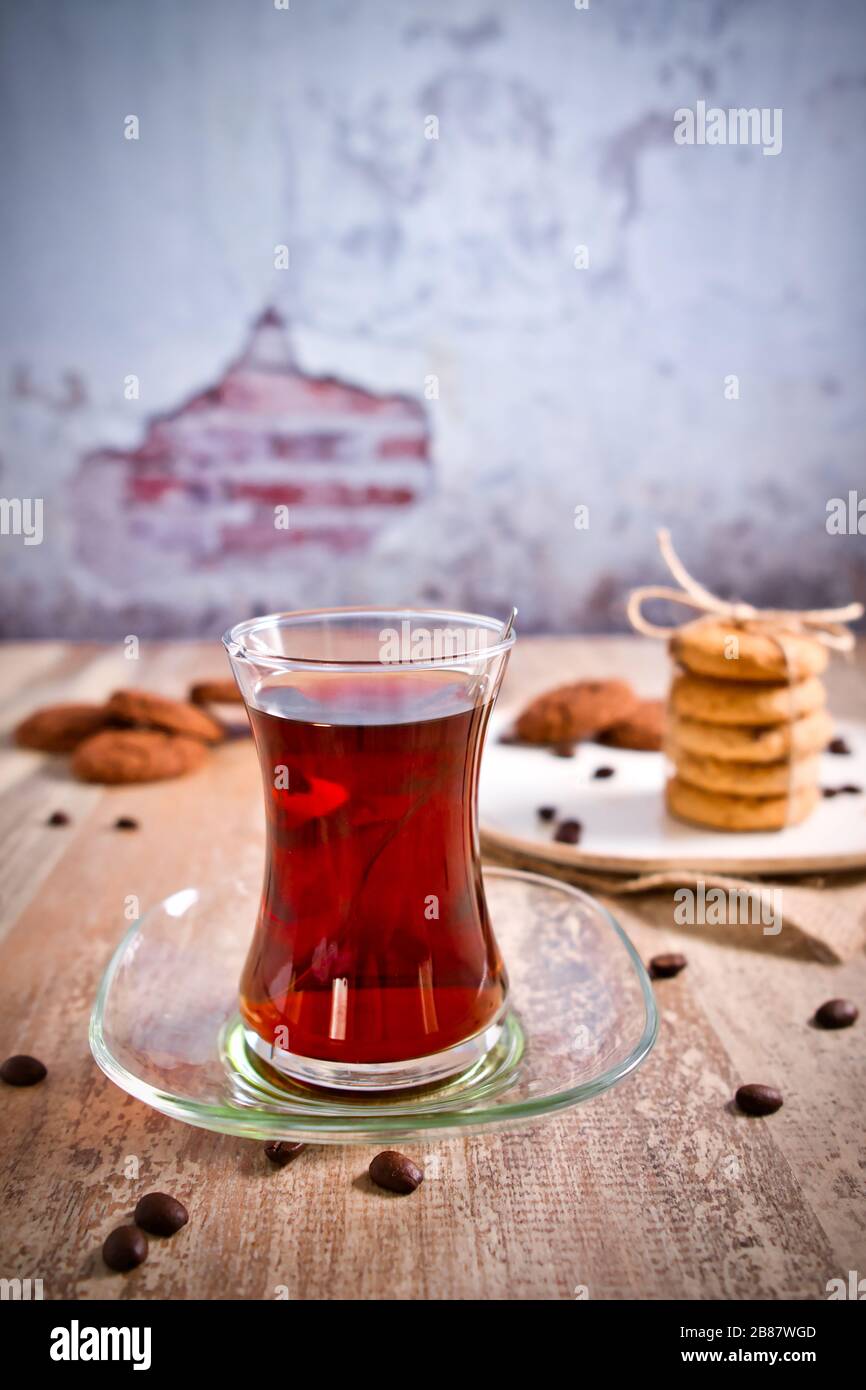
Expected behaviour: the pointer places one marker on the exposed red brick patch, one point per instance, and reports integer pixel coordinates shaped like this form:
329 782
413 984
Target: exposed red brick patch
205 480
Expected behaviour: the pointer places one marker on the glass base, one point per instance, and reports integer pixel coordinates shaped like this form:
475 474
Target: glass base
377 1076
165 1026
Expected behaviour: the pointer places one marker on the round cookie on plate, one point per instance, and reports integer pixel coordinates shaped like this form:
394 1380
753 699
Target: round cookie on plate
722 812
715 701
710 647
575 711
746 744
744 779
642 730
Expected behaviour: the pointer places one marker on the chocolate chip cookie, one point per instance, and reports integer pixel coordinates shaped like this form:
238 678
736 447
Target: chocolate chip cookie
60 728
119 756
142 709
581 709
643 730
215 693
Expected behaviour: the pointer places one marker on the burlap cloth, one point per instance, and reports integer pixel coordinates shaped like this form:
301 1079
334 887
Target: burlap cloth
823 917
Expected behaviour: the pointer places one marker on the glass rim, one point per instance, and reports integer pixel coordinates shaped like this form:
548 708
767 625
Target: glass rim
234 638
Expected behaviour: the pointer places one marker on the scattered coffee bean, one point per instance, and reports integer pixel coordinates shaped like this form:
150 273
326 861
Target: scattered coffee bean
564 750
126 823
547 813
601 772
23 1071
568 832
851 789
829 791
125 1248
665 966
280 1153
509 736
395 1172
837 1013
838 746
58 818
756 1099
160 1214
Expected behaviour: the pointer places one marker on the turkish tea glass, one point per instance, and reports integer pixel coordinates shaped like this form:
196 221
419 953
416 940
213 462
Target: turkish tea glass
373 964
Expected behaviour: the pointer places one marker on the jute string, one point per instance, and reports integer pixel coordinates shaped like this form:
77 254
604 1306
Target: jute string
824 625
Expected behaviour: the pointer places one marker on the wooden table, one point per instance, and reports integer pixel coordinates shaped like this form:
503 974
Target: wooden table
657 1189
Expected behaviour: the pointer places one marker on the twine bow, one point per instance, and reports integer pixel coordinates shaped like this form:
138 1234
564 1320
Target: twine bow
825 625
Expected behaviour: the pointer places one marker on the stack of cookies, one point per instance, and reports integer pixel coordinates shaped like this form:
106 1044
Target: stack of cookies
746 726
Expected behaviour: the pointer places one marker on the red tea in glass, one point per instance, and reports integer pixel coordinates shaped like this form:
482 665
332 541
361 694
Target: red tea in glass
373 962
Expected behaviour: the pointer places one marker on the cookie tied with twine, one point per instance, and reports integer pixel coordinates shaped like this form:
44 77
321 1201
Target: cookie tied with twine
750 672
824 625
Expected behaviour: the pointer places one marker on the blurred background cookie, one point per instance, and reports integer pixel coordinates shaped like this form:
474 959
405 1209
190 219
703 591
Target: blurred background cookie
643 729
144 709
579 710
215 693
60 728
119 756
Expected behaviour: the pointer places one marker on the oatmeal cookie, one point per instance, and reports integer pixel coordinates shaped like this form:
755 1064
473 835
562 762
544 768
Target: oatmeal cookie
710 647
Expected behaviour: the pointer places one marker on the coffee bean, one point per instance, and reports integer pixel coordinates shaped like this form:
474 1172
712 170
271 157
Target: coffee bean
546 813
852 789
564 750
395 1172
838 746
664 967
509 737
601 772
280 1153
125 823
160 1214
568 832
829 791
837 1013
125 1248
756 1099
58 818
23 1071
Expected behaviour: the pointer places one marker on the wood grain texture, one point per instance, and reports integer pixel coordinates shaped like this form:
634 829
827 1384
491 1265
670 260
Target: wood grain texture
657 1189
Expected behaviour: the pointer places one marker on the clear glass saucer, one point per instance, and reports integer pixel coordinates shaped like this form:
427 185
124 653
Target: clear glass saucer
165 1025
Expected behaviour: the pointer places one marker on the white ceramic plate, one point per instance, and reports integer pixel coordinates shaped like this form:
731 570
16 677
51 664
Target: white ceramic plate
625 826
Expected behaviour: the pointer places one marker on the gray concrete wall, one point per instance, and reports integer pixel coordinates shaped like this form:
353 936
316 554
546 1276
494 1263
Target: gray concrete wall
439 269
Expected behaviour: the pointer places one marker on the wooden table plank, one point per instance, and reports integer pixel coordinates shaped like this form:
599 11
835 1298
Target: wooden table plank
657 1189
